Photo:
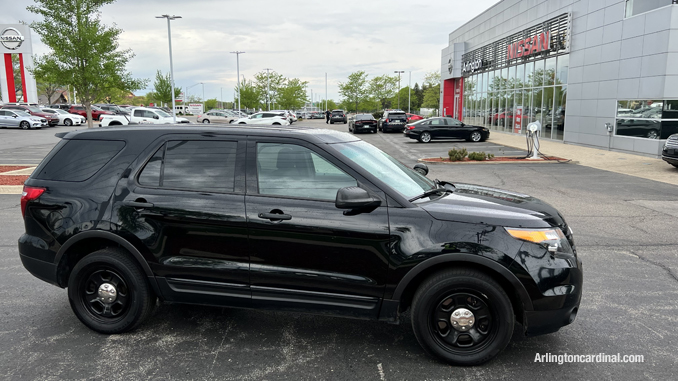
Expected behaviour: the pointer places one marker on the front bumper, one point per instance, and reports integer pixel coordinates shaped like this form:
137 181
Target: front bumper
670 156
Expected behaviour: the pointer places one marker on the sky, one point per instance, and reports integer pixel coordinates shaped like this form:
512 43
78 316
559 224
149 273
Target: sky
296 38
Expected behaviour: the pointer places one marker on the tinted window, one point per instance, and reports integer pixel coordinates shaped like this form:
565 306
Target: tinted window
295 171
438 122
196 165
397 115
364 117
337 113
78 160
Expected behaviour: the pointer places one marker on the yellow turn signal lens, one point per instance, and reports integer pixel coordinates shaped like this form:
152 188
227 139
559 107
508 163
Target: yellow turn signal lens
536 236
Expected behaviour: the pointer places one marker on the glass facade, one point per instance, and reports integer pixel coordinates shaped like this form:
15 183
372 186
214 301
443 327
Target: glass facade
650 119
510 98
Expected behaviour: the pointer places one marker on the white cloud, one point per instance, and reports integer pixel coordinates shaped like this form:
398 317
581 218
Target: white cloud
303 39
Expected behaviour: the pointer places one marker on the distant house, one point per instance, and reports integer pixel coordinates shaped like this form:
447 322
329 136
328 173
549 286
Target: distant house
60 97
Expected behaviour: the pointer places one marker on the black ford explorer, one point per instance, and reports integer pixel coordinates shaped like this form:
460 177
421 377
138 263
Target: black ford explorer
293 219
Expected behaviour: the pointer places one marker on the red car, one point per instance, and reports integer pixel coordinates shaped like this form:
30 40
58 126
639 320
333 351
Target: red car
96 112
413 117
35 111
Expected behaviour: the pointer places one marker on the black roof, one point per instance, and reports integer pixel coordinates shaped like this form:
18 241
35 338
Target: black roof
315 135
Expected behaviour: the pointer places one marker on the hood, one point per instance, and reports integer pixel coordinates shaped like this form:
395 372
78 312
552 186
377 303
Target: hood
482 205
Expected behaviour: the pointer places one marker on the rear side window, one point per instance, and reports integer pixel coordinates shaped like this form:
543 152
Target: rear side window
78 160
193 165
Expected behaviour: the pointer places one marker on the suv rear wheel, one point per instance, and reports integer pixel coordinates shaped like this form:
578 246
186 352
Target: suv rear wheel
109 293
462 316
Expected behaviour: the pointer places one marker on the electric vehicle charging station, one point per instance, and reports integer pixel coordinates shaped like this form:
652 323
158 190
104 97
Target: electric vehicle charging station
533 131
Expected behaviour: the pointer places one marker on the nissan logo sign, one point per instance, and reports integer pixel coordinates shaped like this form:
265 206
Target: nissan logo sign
11 38
472 66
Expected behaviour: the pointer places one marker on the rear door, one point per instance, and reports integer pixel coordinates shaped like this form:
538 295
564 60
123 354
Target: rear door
306 253
439 128
187 206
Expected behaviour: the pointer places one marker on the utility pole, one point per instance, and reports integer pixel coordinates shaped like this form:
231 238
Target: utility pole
237 60
399 72
268 90
325 91
169 37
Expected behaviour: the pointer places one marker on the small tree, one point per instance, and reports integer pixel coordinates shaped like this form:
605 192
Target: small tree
274 81
355 89
292 94
84 52
162 88
383 88
211 103
250 96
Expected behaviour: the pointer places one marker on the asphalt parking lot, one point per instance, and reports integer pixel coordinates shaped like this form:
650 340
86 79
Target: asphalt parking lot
624 228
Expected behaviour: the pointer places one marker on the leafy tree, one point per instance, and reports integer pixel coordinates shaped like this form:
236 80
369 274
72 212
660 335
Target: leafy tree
47 82
355 89
331 104
432 78
432 97
162 88
417 97
211 103
383 88
292 94
84 52
250 97
403 98
275 82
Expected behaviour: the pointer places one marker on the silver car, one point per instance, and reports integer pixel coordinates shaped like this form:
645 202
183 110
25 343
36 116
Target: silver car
20 119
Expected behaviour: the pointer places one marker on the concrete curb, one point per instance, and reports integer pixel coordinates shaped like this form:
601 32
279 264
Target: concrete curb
498 162
11 189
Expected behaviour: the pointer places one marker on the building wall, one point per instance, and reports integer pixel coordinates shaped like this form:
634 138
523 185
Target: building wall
611 58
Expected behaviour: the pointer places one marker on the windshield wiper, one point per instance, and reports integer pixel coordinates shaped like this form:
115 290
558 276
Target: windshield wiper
430 192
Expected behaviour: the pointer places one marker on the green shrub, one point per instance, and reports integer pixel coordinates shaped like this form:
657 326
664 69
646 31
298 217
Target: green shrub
457 154
377 115
480 156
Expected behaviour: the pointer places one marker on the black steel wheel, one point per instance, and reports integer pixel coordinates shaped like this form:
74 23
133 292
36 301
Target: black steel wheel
25 125
109 293
462 316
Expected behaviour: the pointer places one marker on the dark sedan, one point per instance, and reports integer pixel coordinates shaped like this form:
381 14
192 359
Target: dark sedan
445 128
362 123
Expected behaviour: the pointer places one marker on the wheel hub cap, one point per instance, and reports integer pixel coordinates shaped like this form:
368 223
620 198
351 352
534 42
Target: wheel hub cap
107 293
462 319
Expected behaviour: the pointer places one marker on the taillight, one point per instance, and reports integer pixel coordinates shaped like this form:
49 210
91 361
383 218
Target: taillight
29 194
410 127
385 120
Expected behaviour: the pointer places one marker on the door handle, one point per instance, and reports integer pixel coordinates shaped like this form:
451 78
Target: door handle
275 216
139 204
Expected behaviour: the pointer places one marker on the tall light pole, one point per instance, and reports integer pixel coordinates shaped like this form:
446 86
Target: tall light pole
203 96
268 90
237 60
399 72
169 37
325 91
409 91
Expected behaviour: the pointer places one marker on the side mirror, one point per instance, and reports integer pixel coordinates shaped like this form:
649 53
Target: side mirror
15 116
421 168
355 198
156 117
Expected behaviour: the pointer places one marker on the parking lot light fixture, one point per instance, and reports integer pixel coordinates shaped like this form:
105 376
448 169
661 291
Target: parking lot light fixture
399 72
169 37
237 78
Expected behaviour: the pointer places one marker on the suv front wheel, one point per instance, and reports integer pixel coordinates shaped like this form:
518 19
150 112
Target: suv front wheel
109 293
462 316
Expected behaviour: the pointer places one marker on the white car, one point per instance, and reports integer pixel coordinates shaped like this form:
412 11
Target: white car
265 118
289 114
140 115
65 118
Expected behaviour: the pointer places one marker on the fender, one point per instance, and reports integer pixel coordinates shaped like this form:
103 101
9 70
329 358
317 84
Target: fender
465 258
109 236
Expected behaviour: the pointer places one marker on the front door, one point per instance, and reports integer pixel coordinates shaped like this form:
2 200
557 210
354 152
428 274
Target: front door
187 205
306 253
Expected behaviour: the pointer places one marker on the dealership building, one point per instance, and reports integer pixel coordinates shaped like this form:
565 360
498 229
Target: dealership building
601 73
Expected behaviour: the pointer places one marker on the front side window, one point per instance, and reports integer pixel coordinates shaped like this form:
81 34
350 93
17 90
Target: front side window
291 170
197 165
257 116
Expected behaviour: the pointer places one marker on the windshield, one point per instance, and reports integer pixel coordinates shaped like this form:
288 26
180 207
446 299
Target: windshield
34 109
21 113
60 111
404 180
162 113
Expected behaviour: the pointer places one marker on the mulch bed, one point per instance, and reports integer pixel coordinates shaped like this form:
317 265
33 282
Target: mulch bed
494 159
9 168
13 179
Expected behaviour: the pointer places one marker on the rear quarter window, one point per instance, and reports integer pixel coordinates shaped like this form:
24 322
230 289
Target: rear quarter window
78 160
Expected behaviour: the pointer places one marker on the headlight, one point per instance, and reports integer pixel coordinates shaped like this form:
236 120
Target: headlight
553 240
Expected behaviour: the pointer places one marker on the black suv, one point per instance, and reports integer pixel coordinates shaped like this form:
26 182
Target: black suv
670 151
292 219
393 120
338 116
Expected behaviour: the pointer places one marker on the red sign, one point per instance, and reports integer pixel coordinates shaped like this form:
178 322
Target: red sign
518 120
529 46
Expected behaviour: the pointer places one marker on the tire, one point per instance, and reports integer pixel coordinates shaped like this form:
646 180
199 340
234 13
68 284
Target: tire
652 134
68 122
115 124
25 125
344 122
242 123
331 122
276 124
374 130
475 137
450 291
424 137
206 121
134 300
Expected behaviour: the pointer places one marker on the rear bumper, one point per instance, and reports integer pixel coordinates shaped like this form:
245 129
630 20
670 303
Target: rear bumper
42 270
392 127
365 127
